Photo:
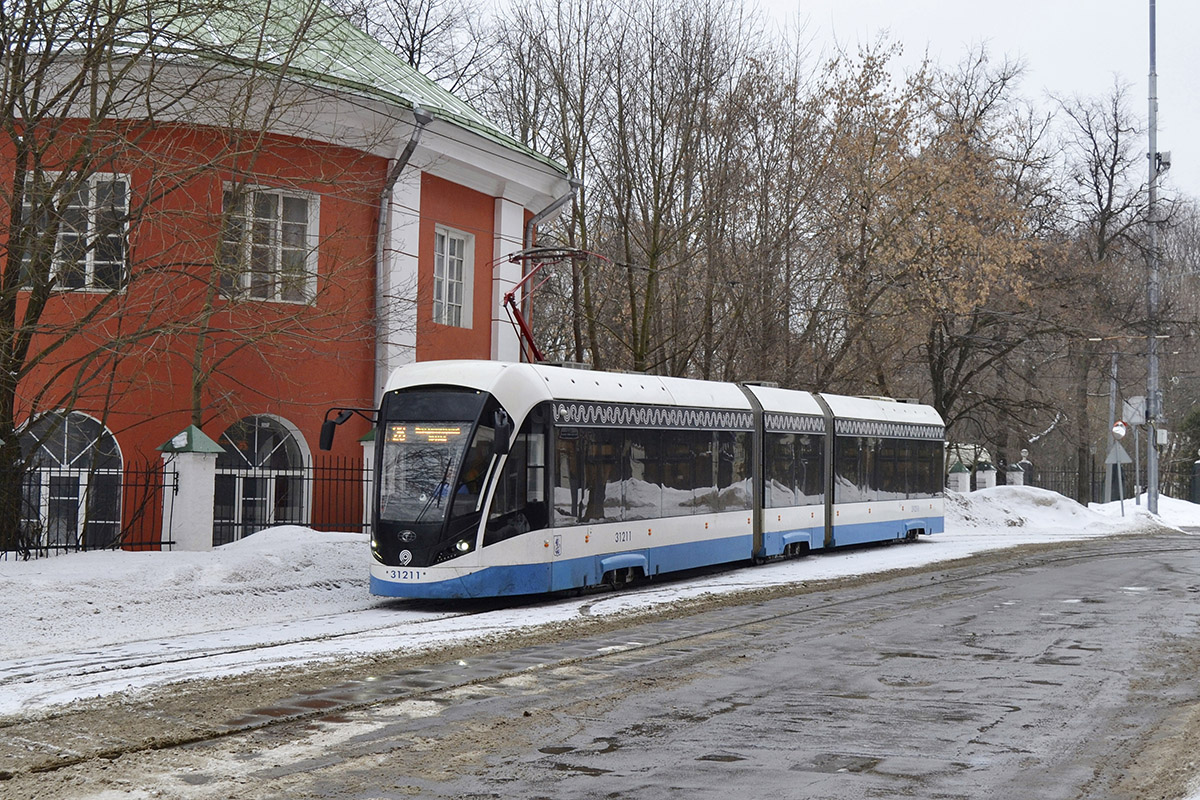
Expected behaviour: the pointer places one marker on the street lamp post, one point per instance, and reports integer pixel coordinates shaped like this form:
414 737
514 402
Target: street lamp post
1158 164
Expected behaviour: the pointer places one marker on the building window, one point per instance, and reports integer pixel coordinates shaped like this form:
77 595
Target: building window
260 479
90 243
453 272
269 244
71 495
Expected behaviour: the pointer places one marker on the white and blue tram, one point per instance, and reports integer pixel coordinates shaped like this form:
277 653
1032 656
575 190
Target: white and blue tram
506 479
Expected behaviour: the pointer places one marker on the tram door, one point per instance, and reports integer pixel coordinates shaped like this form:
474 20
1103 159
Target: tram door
583 460
519 505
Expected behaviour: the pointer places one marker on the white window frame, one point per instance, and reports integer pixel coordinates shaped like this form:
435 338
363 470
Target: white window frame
255 237
74 466
453 277
263 511
90 232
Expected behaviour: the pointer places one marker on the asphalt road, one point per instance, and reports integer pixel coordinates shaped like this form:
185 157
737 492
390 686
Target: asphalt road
1049 672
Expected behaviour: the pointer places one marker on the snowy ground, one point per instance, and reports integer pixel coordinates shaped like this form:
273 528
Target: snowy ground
91 624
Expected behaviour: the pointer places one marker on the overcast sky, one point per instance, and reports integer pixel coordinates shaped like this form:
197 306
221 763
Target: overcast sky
1069 47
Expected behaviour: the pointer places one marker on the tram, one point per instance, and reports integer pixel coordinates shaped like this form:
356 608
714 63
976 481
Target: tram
497 479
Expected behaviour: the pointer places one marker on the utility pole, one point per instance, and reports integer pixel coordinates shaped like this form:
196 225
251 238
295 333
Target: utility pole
1153 398
1112 421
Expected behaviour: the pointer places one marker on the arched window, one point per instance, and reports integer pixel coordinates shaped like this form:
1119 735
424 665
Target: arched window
72 491
260 478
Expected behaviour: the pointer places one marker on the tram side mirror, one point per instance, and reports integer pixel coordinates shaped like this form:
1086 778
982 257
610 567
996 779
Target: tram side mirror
329 427
504 430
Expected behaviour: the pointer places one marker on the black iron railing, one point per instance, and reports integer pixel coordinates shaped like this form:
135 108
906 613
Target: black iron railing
69 510
327 494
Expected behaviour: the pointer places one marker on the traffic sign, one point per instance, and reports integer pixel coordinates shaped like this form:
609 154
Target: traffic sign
1133 410
1117 455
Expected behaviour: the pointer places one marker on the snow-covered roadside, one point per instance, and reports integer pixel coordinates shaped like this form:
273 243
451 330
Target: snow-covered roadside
290 595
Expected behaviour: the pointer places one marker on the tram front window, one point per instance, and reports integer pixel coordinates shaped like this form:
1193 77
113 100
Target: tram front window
421 462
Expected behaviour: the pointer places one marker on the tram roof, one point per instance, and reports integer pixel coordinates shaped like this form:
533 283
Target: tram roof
787 401
521 386
871 408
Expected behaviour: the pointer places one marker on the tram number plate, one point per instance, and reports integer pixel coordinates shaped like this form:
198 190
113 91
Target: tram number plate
405 574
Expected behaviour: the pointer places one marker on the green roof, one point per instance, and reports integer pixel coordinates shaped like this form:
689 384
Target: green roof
191 440
334 54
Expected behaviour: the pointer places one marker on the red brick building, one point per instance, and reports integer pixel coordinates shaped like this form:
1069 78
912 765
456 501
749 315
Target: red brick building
246 277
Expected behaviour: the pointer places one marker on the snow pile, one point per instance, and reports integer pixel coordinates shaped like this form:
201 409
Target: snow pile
1172 512
107 597
1027 510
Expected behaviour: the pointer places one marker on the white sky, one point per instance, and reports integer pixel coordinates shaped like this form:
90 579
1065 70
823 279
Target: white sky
1069 47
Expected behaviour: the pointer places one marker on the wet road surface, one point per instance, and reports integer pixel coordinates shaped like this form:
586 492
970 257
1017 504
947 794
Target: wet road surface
1051 672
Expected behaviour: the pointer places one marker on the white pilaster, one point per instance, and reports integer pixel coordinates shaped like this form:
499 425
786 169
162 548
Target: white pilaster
396 288
509 232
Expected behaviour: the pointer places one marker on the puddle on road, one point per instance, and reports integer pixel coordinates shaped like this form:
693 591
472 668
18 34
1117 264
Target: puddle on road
838 762
594 772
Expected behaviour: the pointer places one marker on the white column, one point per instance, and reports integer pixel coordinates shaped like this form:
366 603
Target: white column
396 284
368 448
188 499
509 232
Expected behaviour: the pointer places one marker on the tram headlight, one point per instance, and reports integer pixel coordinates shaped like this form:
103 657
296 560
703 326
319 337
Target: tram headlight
454 550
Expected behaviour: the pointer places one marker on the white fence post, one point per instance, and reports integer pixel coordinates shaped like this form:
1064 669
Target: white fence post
368 466
960 478
188 507
1014 475
985 475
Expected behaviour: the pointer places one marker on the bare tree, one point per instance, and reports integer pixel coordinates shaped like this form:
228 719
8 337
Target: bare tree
446 40
1105 199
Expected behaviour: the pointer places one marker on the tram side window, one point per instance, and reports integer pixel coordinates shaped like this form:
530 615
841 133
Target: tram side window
854 467
641 494
779 485
892 459
519 502
926 471
588 486
567 492
810 451
685 472
937 457
734 486
611 475
793 470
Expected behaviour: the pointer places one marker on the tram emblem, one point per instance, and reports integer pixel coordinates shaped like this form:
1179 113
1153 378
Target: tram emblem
405 558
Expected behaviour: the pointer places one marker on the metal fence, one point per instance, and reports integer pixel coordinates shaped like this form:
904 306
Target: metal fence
65 510
69 510
1175 480
326 495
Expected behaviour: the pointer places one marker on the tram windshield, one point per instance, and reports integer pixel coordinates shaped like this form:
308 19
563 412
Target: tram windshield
421 463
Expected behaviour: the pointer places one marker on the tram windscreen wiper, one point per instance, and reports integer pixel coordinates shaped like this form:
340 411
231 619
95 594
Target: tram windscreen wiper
442 487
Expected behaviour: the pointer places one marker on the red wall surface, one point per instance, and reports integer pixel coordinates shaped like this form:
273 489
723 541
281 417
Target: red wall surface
291 360
466 211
